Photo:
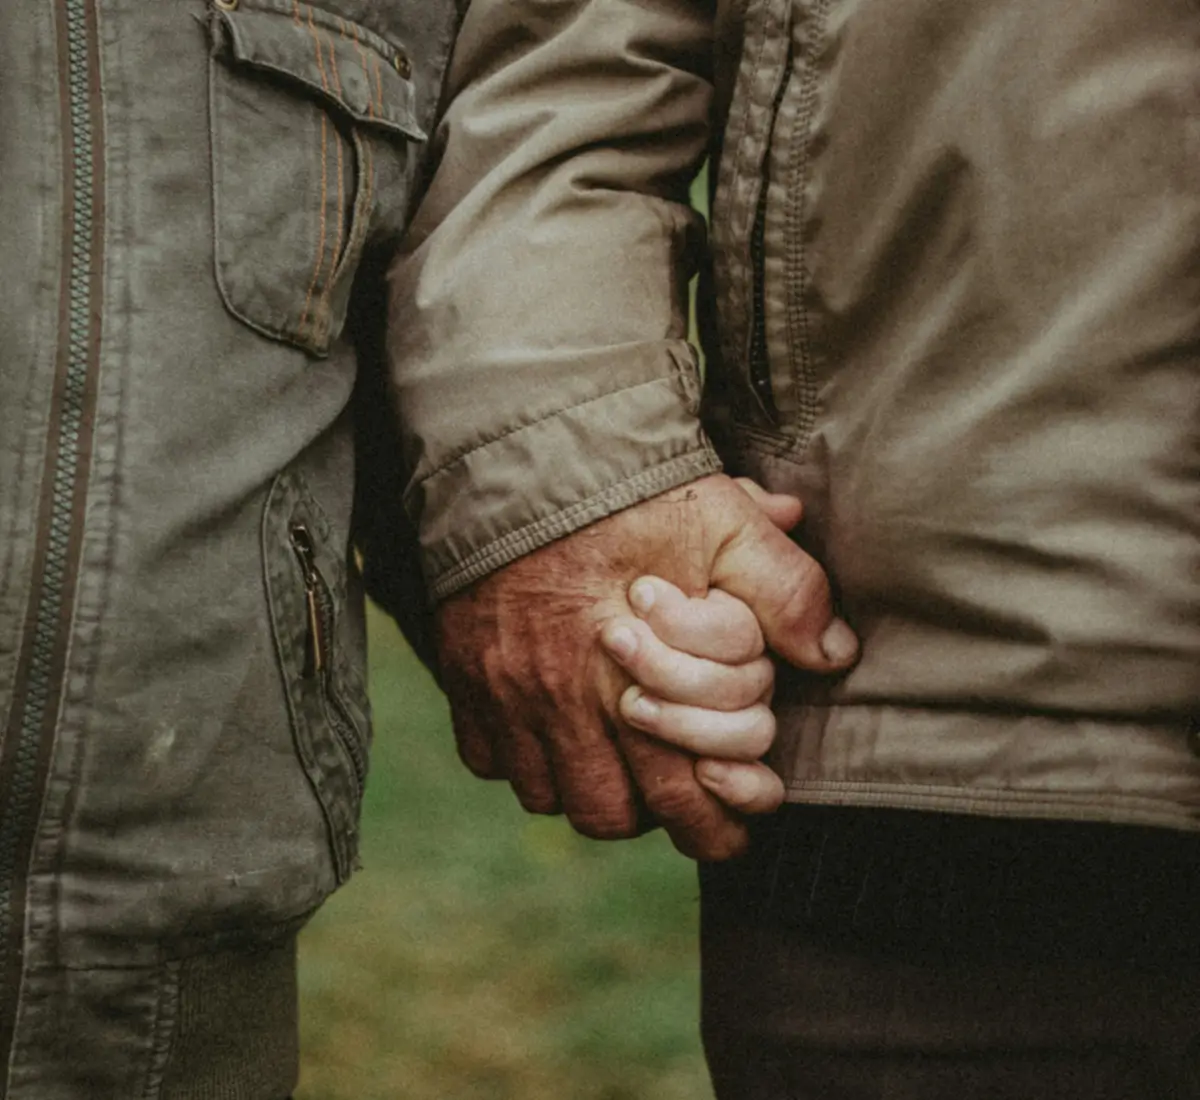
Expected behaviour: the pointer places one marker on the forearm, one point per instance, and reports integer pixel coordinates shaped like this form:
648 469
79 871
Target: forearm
537 332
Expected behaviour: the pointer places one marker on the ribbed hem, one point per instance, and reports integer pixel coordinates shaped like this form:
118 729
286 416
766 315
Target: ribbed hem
231 1026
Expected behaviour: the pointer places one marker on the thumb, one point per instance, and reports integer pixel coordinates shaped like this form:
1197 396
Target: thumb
789 594
781 509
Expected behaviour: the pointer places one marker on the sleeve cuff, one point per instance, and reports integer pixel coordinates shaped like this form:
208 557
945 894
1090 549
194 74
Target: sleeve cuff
540 482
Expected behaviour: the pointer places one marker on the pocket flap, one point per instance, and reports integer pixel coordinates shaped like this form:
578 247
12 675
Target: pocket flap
341 62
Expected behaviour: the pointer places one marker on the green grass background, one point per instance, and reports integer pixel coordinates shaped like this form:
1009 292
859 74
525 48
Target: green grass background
483 954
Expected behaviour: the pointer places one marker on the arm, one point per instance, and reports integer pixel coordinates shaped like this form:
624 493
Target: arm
537 335
543 383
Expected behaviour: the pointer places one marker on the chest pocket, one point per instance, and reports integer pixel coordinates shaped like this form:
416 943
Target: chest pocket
313 132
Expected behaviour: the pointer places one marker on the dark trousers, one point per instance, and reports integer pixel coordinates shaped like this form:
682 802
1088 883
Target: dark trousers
893 955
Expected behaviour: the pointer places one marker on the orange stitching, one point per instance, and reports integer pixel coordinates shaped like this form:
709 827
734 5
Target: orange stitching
337 80
378 83
296 12
362 56
320 260
312 29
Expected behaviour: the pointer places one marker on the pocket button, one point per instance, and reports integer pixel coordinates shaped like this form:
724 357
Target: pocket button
401 62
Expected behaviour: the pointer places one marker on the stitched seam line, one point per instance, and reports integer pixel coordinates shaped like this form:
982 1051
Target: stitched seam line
803 365
320 259
1067 801
749 439
362 57
378 86
746 271
694 463
467 452
735 279
371 39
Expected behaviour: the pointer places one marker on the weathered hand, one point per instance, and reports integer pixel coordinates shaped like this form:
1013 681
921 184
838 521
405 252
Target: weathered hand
535 698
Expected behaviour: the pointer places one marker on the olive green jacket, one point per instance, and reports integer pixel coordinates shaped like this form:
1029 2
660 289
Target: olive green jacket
199 203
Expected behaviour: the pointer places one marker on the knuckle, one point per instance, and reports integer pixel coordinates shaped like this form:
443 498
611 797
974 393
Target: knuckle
673 675
653 673
751 488
605 824
675 620
762 731
677 799
808 597
764 676
748 684
749 640
478 759
728 841
695 681
651 721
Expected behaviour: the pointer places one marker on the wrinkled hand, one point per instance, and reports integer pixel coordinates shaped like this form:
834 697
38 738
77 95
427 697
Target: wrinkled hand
535 698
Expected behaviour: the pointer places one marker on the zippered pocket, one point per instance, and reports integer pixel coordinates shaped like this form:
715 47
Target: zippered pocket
318 664
758 361
316 619
740 214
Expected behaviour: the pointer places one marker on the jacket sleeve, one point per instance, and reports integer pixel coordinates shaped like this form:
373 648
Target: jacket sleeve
537 326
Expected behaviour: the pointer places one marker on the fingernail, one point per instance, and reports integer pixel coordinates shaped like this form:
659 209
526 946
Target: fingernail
643 707
642 596
620 641
839 642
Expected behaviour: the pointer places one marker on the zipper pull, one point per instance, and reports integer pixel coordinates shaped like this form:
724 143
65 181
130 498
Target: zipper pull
303 546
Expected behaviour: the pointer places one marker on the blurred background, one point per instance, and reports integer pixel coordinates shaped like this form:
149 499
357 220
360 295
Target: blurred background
484 954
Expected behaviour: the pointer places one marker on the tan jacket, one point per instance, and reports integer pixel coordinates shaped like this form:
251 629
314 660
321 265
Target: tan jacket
954 305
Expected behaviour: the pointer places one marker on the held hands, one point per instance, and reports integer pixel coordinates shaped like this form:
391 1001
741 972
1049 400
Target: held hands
536 698
702 682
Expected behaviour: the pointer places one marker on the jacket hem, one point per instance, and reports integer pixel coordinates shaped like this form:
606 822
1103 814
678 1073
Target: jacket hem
1099 807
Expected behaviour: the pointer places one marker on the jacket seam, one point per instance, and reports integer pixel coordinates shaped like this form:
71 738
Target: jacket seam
746 438
868 792
489 440
696 461
201 947
802 358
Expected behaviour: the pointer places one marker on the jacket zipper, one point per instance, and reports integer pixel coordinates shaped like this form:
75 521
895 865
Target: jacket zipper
760 367
317 661
30 735
759 362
